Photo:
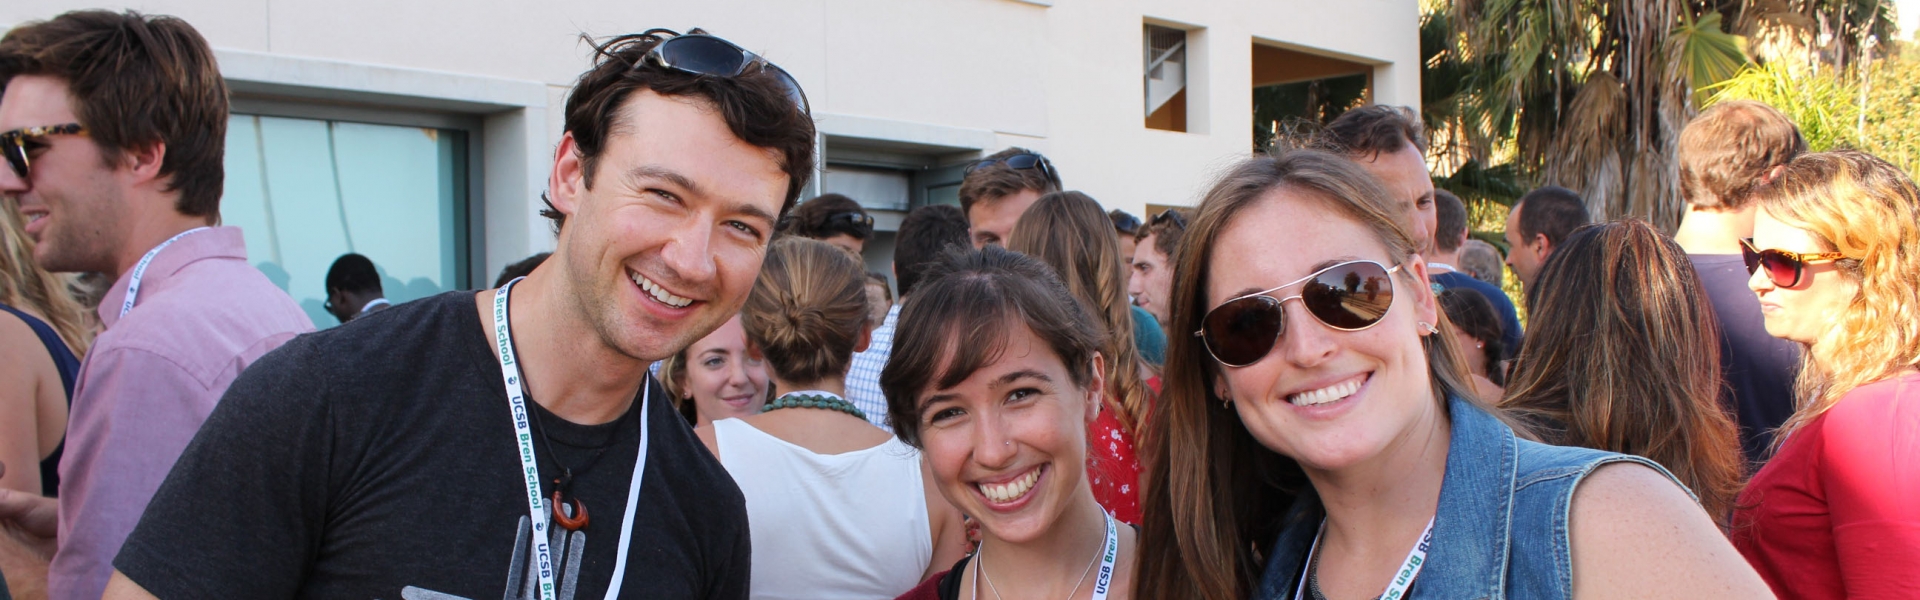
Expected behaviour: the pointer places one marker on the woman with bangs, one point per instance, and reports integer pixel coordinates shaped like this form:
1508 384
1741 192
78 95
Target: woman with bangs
1068 231
1315 439
996 375
1835 257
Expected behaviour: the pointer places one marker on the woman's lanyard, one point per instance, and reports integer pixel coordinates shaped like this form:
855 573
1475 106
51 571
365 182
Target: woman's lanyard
1107 557
1402 579
140 270
530 467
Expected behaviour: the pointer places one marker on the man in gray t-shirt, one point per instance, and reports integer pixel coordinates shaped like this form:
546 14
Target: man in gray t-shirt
1726 154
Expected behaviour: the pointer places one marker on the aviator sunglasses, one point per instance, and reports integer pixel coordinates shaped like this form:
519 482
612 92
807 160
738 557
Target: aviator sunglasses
1350 296
702 54
1021 161
1783 268
14 143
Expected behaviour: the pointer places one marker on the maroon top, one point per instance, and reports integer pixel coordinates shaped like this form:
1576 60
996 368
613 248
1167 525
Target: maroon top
1836 513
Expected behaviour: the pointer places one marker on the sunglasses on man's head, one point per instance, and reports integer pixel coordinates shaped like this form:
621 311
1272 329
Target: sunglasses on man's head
702 54
14 143
860 220
1022 161
1784 268
1349 296
1174 215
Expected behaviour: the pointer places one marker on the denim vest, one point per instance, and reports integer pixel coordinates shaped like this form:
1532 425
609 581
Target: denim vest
1501 527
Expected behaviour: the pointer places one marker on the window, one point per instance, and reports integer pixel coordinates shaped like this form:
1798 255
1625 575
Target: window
1166 77
304 191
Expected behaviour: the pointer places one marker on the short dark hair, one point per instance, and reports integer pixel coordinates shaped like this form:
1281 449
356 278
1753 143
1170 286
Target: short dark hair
135 81
926 232
1372 130
1725 152
1166 228
1552 210
975 298
755 105
996 180
521 269
1450 220
1472 313
353 273
828 215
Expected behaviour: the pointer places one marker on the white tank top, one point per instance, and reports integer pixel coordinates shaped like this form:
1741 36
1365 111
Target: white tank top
851 525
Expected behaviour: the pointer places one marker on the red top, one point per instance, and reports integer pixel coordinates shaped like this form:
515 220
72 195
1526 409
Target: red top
1836 514
1112 466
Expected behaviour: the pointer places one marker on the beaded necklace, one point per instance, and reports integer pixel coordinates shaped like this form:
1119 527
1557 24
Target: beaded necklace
814 399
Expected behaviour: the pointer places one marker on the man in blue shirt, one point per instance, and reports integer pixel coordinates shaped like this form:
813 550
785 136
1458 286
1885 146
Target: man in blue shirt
1450 232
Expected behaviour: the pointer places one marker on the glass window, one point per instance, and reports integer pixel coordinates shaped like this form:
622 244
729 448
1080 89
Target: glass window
305 191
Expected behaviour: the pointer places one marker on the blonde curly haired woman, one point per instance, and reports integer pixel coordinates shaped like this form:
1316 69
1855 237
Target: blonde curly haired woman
1835 257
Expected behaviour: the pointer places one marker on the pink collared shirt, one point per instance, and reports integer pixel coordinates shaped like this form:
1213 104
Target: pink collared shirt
203 315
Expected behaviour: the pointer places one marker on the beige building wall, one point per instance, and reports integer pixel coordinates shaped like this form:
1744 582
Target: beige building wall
950 79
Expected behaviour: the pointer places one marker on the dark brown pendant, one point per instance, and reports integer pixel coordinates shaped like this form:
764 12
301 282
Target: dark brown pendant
574 523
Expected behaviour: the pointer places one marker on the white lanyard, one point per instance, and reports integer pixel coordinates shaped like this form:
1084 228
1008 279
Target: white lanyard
1402 578
1446 266
530 467
1108 555
140 270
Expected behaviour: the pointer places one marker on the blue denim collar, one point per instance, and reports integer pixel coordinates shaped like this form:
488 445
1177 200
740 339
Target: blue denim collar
1469 558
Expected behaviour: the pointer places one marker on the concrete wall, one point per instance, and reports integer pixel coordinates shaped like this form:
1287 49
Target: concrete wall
1061 77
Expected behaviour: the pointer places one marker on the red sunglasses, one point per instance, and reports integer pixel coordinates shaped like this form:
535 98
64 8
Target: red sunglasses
1784 268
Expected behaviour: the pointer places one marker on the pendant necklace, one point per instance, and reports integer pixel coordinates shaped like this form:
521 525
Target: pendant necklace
563 485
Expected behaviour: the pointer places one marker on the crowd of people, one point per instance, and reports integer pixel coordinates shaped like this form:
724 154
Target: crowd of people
1310 384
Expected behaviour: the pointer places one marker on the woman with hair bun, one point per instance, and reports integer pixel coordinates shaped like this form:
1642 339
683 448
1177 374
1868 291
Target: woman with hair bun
838 508
1835 260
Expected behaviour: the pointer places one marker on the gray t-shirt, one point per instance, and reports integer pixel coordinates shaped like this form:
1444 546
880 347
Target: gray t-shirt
1760 369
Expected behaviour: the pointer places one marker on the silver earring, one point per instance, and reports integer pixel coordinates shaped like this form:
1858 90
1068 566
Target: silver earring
1429 327
1479 344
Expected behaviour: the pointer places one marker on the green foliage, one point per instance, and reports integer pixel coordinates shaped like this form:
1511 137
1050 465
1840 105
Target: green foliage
1824 106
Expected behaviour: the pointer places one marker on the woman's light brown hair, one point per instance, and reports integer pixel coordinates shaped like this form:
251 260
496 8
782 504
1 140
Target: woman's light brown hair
1868 209
1213 495
807 310
1069 232
1623 355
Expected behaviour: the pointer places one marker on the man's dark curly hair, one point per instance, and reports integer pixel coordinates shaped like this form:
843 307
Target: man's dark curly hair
755 105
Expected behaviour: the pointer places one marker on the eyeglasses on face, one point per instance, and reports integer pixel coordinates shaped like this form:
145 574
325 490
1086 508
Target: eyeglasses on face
703 54
1022 161
1349 296
1784 268
14 143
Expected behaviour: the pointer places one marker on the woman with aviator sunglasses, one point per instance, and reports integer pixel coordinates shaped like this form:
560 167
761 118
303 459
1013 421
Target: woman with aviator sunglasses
1835 260
1315 438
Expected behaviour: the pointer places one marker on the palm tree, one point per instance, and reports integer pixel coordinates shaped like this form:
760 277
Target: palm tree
1592 94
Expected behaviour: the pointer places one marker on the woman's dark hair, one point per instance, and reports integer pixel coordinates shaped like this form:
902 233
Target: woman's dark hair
827 216
1622 355
806 310
1212 495
1471 312
755 105
960 318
